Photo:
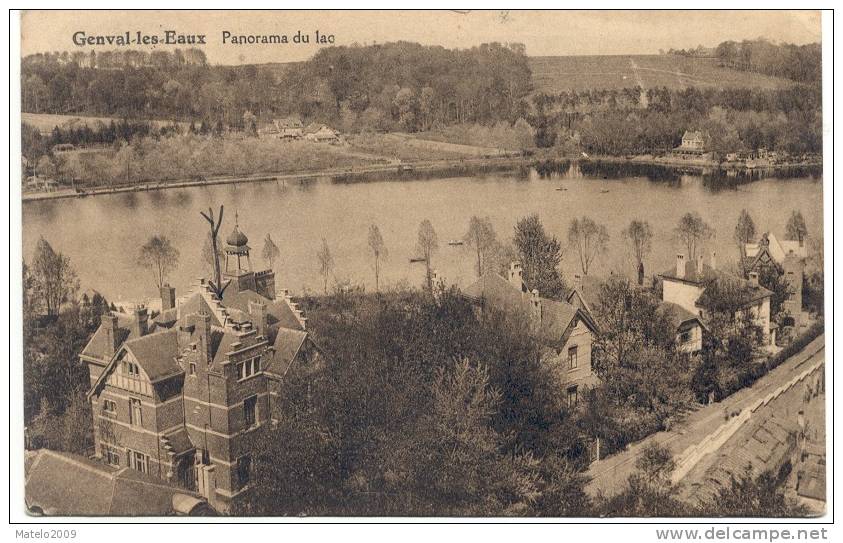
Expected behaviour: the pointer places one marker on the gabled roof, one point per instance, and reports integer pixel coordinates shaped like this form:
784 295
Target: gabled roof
557 318
98 346
678 315
156 354
67 484
588 293
287 344
776 248
694 134
289 122
496 290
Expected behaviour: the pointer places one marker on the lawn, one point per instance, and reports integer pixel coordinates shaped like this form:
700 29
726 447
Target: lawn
45 122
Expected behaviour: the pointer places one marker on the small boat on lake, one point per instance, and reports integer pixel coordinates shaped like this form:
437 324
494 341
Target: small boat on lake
604 191
561 188
415 260
455 242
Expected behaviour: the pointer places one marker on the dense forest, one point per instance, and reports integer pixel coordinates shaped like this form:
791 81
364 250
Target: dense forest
632 120
801 63
395 85
413 88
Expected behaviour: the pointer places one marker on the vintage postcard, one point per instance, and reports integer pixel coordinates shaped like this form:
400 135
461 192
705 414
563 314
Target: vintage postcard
444 264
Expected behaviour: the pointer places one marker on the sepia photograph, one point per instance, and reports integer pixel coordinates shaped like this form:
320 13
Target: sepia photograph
434 264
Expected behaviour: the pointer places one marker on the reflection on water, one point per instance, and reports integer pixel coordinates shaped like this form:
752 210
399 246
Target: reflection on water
102 234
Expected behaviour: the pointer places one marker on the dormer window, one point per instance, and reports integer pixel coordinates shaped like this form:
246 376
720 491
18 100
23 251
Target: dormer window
131 369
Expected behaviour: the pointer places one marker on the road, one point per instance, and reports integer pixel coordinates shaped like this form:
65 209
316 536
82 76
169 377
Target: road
707 428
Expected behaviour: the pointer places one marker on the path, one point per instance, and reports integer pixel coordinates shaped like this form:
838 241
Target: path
705 429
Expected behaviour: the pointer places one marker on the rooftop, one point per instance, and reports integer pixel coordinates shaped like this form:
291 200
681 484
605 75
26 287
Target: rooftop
59 483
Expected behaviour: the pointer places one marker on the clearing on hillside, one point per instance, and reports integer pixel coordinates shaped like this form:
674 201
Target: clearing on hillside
580 73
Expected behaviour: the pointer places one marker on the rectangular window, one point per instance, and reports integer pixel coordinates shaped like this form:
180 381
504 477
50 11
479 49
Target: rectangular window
248 368
193 368
131 369
135 413
685 337
572 357
109 407
250 406
244 466
572 396
110 455
138 461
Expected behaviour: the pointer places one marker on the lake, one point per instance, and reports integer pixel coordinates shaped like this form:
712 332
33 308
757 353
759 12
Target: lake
102 234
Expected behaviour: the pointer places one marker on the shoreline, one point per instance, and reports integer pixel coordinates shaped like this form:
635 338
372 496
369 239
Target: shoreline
408 171
702 164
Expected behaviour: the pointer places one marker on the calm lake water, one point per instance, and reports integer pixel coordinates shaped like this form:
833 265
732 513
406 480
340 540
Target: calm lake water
102 234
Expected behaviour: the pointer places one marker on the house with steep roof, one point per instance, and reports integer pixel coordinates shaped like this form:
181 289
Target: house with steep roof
769 248
321 134
585 293
290 128
183 395
565 330
694 142
688 327
686 283
65 484
787 257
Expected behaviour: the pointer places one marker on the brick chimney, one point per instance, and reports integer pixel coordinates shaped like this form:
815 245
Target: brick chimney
514 275
753 278
680 266
140 326
536 306
203 336
109 324
168 297
257 310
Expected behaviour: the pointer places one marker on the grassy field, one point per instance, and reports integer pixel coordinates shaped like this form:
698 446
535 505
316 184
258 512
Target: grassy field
408 149
579 73
45 122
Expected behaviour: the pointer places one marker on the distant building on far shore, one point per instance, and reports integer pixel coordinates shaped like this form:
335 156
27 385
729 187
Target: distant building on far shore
694 142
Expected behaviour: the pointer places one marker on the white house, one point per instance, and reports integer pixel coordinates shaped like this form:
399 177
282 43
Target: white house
686 282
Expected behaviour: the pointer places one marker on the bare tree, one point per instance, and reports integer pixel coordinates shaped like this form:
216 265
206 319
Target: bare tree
796 229
744 233
691 231
427 245
53 278
215 251
640 235
208 258
378 249
589 238
326 262
481 236
159 255
270 251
